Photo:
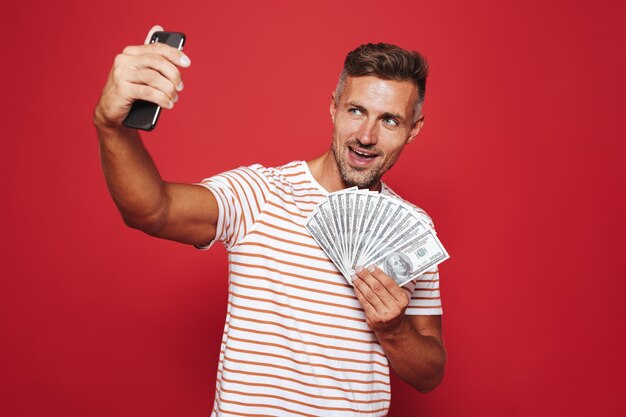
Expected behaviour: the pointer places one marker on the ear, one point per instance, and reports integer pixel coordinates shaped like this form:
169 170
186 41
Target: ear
333 106
416 129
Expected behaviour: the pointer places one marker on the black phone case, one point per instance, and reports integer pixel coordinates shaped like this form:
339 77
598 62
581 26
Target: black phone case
144 114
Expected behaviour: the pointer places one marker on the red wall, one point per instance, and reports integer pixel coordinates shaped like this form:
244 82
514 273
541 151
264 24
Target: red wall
521 164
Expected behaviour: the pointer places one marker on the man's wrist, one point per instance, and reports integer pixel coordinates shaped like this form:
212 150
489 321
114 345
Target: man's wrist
101 122
107 128
396 332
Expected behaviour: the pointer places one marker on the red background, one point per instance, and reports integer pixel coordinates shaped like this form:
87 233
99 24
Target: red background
521 164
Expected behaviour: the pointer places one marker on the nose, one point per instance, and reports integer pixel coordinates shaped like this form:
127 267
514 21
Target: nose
368 132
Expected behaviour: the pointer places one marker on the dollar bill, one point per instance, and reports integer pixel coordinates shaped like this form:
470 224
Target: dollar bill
411 259
360 227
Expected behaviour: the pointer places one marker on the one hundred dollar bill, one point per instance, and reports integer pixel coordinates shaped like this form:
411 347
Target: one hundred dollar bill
360 227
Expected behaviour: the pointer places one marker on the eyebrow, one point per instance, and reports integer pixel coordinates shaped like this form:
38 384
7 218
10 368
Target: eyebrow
392 116
386 115
357 106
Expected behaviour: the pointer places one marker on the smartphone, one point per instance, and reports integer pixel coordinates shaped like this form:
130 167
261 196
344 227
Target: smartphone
144 114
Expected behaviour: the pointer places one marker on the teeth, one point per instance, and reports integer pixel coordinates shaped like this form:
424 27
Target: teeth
362 154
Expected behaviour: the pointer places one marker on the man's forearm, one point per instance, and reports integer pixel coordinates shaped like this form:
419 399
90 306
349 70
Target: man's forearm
132 177
418 359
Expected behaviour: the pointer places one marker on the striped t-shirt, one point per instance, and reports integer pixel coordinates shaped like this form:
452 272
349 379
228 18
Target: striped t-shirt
295 341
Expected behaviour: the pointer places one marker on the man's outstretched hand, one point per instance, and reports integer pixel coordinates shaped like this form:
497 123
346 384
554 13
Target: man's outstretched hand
147 72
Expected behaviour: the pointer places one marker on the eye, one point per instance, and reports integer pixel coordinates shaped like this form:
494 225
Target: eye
391 122
355 111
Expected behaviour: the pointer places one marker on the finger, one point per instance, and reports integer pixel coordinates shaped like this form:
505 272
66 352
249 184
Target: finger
389 283
154 79
374 286
152 62
151 94
368 308
172 54
371 296
155 28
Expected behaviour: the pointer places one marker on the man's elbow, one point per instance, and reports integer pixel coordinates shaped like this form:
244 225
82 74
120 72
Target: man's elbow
427 385
149 224
433 379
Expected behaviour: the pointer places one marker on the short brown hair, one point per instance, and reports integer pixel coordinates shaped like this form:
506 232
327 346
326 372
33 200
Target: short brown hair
389 62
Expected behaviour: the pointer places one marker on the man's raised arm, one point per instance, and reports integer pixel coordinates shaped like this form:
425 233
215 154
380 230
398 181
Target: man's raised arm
181 212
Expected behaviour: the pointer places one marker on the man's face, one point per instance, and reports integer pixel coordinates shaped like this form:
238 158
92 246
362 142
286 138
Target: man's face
373 120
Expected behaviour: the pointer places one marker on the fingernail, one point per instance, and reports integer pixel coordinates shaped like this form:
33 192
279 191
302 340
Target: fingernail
371 268
170 104
359 268
180 86
175 98
185 61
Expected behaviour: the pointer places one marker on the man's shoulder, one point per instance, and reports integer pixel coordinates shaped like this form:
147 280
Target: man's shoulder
282 172
290 169
294 172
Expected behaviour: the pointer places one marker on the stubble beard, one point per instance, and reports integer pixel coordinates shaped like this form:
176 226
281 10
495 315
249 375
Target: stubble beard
356 176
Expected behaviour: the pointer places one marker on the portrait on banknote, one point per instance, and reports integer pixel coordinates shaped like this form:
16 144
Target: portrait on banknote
398 266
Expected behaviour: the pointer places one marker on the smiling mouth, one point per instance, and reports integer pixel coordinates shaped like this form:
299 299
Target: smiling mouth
362 154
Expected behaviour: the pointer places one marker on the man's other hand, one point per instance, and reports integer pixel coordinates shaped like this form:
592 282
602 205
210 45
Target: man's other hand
147 72
382 299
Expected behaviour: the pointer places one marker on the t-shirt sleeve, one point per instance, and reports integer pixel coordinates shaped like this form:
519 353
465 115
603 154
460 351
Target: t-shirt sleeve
425 298
241 194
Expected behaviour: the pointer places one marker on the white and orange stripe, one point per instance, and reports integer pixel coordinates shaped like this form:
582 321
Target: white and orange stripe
295 341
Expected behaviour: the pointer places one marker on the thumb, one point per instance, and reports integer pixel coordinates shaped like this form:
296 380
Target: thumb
155 28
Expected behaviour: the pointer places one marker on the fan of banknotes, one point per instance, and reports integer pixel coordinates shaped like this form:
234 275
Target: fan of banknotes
361 227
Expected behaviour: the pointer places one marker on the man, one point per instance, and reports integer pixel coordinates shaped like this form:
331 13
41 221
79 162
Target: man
298 340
